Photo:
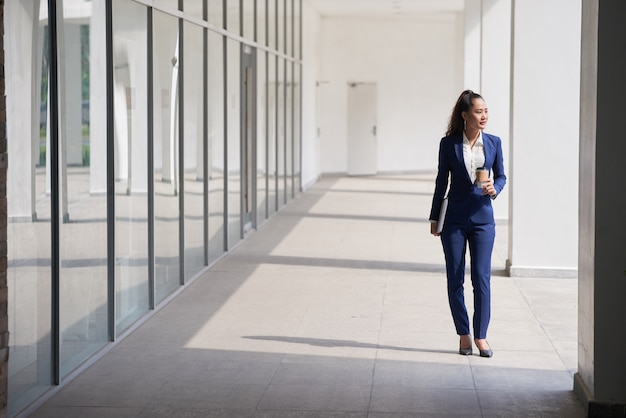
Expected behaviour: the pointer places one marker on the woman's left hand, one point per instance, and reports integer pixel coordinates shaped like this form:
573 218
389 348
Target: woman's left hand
488 188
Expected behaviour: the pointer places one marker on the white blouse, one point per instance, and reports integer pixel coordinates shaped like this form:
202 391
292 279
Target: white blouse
474 157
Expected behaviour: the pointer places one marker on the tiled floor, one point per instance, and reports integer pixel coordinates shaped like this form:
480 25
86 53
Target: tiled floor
337 307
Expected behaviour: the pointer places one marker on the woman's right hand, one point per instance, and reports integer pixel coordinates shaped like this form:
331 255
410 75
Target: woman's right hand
433 229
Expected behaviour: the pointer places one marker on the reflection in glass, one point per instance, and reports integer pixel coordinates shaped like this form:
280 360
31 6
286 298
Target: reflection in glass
247 19
167 4
215 146
215 12
297 21
131 169
261 147
233 174
289 131
289 27
83 177
261 22
272 38
232 17
193 149
280 137
166 207
297 121
82 200
28 230
194 8
272 134
280 19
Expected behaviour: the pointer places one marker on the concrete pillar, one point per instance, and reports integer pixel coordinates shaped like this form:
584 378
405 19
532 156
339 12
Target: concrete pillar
543 164
4 319
487 70
73 95
601 378
97 99
473 40
23 103
495 81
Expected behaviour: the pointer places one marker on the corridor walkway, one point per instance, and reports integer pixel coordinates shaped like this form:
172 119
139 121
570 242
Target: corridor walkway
337 307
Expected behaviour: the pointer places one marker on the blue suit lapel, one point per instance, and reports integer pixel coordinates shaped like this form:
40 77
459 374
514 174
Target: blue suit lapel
489 150
458 148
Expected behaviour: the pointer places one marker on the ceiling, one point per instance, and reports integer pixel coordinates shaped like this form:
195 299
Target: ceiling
384 8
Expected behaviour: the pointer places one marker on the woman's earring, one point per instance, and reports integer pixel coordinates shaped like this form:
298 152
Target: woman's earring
464 124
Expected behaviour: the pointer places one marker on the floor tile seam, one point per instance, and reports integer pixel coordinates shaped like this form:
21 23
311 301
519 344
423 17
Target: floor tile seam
541 325
378 339
268 385
321 412
437 388
104 403
527 391
139 409
472 369
284 355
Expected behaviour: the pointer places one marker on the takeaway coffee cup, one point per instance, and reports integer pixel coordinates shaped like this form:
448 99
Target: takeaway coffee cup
482 174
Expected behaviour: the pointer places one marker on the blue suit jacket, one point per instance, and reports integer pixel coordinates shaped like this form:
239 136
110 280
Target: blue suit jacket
465 200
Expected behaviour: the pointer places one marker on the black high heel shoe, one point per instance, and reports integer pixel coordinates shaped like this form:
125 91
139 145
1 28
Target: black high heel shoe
465 351
484 353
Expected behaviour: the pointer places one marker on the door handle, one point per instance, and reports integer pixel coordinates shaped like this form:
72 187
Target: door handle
374 130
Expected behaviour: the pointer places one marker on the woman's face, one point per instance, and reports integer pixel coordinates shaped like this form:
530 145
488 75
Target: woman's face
476 117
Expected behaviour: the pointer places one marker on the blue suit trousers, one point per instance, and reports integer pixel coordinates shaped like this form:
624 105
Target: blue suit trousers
455 238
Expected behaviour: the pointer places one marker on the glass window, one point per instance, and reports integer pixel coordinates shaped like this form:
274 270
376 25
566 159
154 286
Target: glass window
281 7
194 8
215 12
272 38
289 131
261 21
166 4
83 185
131 168
28 185
232 17
247 18
261 138
193 116
165 142
297 121
233 172
289 27
297 28
272 134
282 129
215 145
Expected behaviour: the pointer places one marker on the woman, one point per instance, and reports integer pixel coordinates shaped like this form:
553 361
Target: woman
469 216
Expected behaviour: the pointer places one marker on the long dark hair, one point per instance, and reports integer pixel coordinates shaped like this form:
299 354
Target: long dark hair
463 104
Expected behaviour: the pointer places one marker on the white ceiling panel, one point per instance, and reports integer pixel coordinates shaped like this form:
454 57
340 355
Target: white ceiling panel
384 8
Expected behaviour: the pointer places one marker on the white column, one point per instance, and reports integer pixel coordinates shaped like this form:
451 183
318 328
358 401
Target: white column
97 100
487 71
601 378
496 82
23 59
73 93
311 167
473 36
139 115
543 181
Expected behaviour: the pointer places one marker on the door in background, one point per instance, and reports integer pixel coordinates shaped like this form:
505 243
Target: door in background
362 147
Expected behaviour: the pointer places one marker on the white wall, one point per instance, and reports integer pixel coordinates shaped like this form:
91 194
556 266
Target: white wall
310 70
543 226
417 65
488 71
